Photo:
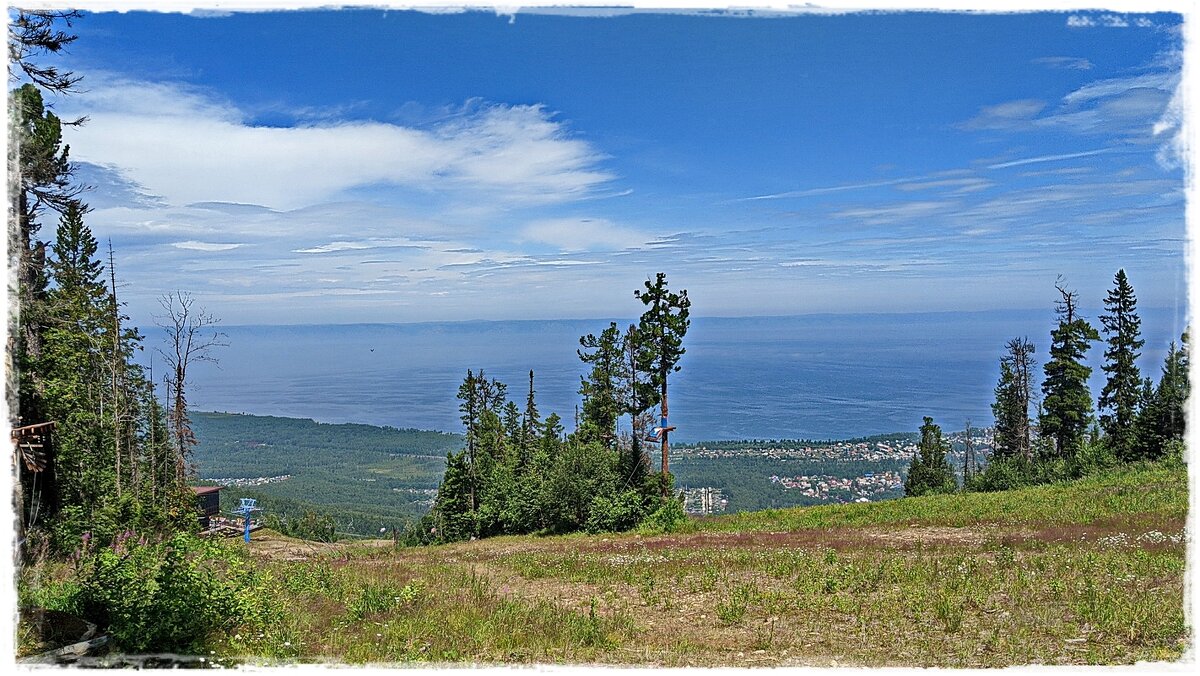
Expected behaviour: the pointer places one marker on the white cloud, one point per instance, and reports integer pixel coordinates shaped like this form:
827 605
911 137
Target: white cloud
580 234
957 185
186 146
1172 154
1126 106
1047 158
1064 62
895 213
384 243
1116 86
1005 115
193 245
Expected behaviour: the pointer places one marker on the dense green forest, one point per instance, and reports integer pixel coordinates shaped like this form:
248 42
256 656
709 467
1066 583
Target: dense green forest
519 473
239 445
100 453
362 477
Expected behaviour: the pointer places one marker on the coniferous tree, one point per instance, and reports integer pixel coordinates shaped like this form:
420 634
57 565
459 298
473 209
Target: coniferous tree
634 463
530 422
42 180
1119 398
73 353
34 33
1162 419
930 471
468 395
1067 402
660 345
604 387
512 423
71 366
453 514
1013 394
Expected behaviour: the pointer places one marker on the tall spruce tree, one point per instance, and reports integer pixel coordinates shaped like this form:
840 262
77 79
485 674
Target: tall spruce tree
1119 399
1013 394
529 422
660 345
71 364
1162 420
603 388
1067 402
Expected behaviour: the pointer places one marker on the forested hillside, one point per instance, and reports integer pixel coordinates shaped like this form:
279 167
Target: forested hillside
362 477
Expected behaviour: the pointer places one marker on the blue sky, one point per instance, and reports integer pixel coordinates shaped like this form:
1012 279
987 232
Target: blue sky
392 166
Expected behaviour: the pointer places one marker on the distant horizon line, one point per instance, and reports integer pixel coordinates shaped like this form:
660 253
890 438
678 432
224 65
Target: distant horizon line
762 440
1049 311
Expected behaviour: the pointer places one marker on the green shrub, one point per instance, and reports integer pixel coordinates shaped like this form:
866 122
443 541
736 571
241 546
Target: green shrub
615 514
732 610
668 518
170 596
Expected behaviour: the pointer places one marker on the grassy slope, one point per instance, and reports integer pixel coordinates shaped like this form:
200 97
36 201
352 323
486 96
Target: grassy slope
1089 572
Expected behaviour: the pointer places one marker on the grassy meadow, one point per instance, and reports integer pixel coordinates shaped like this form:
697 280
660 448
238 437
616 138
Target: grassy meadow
1090 572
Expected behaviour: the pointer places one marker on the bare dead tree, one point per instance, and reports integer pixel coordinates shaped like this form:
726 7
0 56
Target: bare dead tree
191 336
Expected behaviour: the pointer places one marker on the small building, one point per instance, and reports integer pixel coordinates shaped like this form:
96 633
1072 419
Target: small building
208 503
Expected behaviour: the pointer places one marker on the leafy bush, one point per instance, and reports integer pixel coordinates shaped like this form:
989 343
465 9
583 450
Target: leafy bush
668 518
615 514
108 520
170 596
1094 456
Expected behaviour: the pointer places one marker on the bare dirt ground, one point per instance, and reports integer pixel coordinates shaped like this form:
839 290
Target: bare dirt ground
276 547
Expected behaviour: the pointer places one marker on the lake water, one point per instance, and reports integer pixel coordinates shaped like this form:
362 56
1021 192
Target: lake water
815 376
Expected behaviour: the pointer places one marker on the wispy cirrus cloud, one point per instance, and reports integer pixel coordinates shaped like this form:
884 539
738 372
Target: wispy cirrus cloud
1064 62
362 245
192 245
1125 106
1006 115
578 234
1048 158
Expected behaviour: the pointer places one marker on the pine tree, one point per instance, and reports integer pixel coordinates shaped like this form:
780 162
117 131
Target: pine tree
660 345
1013 394
930 471
1119 398
1067 402
42 179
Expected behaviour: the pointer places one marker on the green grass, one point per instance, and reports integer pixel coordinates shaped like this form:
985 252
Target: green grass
1151 489
1090 572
